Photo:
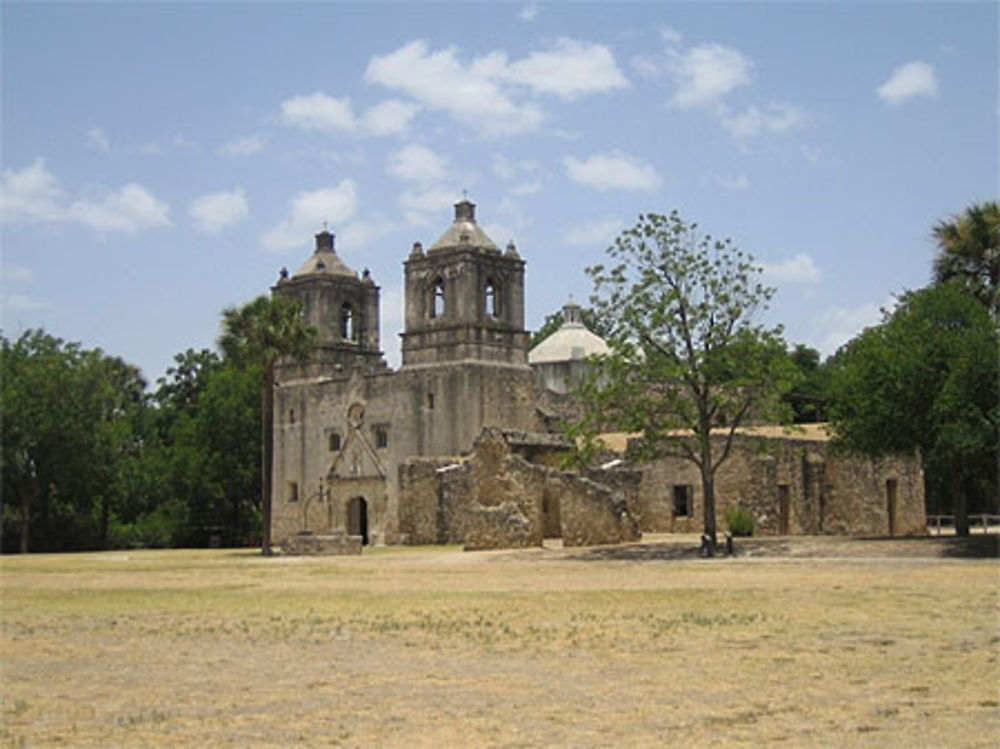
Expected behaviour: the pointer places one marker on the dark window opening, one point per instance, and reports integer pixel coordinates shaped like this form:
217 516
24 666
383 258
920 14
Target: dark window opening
683 500
437 299
334 441
293 491
291 416
381 438
430 401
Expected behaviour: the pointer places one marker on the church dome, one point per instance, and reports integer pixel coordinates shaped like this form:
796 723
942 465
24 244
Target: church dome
464 231
571 342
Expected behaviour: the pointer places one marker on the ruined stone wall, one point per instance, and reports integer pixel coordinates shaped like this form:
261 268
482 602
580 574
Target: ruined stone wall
497 499
794 486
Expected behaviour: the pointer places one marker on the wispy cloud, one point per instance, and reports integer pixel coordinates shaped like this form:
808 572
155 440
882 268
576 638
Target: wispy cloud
34 195
612 171
706 77
597 233
327 114
215 211
248 145
799 268
307 212
908 81
98 138
416 163
488 91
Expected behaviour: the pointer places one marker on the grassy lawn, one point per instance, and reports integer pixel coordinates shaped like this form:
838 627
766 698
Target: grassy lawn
435 647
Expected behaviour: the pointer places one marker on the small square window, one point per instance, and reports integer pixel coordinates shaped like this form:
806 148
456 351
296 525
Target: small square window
334 441
381 438
683 500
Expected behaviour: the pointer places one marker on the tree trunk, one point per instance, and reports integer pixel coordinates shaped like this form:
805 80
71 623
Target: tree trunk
267 436
708 486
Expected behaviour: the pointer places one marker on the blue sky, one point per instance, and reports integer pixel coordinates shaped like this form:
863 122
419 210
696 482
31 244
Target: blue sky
163 161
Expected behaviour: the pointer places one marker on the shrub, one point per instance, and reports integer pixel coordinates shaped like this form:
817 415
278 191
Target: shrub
739 521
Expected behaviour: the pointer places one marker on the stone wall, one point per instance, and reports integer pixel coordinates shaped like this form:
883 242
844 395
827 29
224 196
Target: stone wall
796 484
495 498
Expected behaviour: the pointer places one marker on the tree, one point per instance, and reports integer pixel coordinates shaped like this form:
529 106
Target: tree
262 332
925 380
687 353
969 249
808 397
70 424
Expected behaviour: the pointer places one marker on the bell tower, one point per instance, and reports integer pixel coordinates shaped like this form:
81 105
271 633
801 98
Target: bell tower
342 307
464 298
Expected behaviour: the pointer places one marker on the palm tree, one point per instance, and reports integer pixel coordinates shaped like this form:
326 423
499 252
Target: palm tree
969 249
262 332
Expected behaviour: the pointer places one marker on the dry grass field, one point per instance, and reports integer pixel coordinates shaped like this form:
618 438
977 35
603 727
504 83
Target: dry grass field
796 643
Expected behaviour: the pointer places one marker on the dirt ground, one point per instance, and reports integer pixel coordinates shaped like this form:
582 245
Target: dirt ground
794 642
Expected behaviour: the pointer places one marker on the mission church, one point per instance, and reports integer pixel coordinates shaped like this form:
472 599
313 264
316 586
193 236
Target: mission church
400 455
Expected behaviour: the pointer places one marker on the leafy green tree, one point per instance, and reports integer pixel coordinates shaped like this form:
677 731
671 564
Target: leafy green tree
969 249
70 420
688 355
808 396
926 380
260 333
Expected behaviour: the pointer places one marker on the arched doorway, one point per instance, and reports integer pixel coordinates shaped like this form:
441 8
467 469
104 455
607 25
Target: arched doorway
357 519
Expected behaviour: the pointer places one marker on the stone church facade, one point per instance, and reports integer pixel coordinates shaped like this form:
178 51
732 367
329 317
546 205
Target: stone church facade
456 445
345 422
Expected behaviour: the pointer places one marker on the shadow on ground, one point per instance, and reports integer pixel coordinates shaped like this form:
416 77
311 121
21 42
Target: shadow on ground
807 547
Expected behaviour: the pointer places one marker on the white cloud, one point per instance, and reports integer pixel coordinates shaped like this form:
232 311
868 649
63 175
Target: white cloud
612 171
912 79
799 268
753 121
841 324
30 195
420 202
671 36
15 274
526 188
707 72
246 146
99 139
485 92
416 163
216 211
307 212
598 233
529 12
327 114
33 194
388 117
440 82
23 303
128 209
570 69
318 112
